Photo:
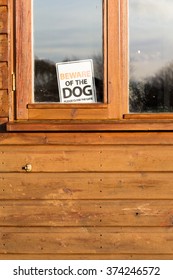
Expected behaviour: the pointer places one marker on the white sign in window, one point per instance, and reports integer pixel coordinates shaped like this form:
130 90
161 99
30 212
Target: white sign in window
76 81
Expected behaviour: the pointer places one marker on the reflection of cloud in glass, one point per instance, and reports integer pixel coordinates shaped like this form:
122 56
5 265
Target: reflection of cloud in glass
151 41
67 28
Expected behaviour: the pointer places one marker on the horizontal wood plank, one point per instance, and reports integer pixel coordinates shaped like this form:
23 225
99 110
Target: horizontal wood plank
86 185
88 243
87 138
86 257
3 19
81 230
105 125
91 159
87 213
67 114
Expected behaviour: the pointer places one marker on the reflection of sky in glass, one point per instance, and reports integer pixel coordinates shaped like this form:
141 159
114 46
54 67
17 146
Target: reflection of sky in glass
67 29
150 34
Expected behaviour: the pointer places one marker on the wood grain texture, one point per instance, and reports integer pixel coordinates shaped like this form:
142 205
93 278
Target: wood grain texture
76 243
87 243
81 230
90 195
3 103
124 185
92 126
3 2
111 158
145 116
86 257
3 76
87 138
87 213
3 47
23 57
68 114
3 19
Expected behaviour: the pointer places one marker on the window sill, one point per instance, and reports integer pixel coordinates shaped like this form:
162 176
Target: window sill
148 116
113 125
67 106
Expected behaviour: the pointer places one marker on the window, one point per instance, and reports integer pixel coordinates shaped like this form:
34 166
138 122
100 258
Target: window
29 108
116 36
67 31
151 57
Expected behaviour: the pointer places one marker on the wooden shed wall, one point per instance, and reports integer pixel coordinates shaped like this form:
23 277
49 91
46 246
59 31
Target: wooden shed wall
89 195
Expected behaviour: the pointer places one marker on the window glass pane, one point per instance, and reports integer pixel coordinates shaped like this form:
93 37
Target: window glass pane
151 55
65 30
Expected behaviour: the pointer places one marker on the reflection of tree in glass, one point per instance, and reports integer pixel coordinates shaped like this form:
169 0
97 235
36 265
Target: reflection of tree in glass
45 80
153 94
136 96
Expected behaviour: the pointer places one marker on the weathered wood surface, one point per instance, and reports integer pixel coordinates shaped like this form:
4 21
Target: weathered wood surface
87 138
76 243
67 114
81 230
91 159
87 243
3 121
89 195
3 19
94 126
23 53
3 2
86 257
3 48
87 213
3 75
3 103
121 185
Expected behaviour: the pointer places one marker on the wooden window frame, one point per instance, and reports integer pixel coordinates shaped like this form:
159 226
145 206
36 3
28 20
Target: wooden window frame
111 115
